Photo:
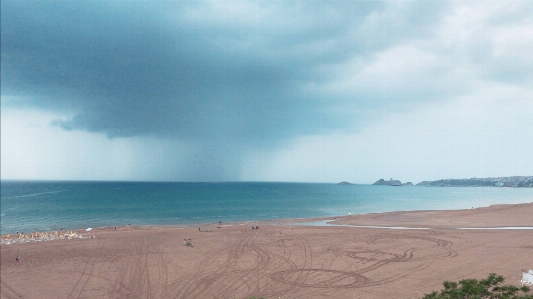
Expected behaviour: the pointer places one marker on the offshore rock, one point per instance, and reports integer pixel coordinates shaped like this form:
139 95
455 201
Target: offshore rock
390 182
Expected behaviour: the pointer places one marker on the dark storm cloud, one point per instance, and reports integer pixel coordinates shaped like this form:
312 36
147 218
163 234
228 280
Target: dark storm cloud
186 70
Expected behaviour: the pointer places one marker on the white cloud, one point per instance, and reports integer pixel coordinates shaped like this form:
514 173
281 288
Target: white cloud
489 133
33 149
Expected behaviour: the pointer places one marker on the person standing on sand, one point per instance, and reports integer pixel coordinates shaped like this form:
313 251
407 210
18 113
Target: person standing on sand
17 259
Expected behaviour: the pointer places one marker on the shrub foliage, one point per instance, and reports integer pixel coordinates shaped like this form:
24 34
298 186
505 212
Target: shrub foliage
488 288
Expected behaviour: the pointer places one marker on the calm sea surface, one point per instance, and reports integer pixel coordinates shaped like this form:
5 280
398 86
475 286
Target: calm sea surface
33 206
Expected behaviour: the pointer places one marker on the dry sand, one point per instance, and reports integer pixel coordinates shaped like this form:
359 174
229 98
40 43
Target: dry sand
278 260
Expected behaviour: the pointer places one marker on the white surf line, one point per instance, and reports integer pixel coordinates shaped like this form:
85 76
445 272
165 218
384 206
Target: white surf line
499 227
327 223
34 194
466 228
386 227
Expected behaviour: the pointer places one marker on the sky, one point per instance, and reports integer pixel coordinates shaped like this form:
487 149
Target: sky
285 91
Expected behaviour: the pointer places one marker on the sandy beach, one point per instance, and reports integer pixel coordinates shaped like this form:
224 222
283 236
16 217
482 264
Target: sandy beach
278 260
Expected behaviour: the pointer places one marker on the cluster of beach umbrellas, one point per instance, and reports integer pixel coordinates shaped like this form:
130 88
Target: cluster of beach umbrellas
40 236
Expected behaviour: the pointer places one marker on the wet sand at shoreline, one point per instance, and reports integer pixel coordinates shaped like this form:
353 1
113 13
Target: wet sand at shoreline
278 260
518 215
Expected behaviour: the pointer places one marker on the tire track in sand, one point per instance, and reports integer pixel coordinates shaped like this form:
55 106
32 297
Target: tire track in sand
228 269
135 279
325 277
7 291
86 274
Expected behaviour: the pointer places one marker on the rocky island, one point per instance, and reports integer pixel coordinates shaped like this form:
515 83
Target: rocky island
390 182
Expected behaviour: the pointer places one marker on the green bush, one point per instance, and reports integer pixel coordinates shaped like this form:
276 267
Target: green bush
488 288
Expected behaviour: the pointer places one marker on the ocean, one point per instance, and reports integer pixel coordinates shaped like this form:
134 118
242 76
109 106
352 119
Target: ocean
50 205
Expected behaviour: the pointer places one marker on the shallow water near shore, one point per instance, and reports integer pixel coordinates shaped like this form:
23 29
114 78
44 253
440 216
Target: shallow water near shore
42 206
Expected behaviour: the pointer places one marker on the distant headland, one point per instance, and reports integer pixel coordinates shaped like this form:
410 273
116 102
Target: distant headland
512 181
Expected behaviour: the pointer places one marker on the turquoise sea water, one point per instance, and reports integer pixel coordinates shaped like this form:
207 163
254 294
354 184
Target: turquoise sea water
35 206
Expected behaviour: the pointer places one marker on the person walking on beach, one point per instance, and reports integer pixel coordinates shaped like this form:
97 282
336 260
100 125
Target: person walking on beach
17 259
